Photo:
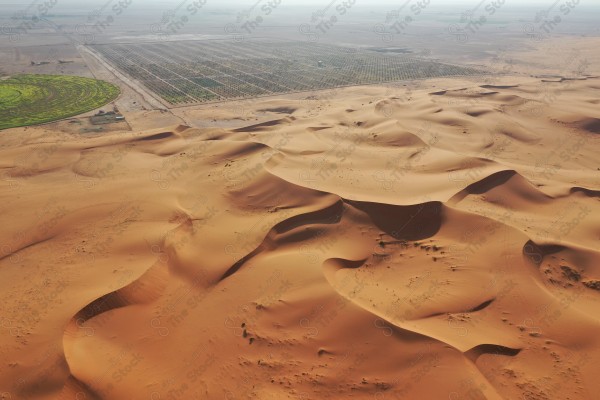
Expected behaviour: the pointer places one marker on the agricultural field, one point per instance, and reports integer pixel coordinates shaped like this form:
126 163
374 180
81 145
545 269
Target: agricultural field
192 72
35 99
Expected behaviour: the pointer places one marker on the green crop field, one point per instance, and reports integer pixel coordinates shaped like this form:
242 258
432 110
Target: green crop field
35 99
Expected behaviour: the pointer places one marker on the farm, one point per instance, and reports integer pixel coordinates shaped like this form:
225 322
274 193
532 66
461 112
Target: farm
194 72
35 99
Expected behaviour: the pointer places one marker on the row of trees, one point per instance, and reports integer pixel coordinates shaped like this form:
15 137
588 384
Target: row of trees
189 72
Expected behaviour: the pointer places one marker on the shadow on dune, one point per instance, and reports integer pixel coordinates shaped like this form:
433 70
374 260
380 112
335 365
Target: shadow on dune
279 110
491 349
157 136
414 222
535 253
585 191
259 127
490 182
291 230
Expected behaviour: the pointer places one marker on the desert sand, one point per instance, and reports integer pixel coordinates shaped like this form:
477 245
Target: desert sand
436 241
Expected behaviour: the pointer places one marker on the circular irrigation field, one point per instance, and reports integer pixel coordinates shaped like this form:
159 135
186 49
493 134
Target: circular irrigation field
36 99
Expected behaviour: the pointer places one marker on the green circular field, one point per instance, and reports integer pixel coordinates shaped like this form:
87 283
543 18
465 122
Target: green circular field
35 99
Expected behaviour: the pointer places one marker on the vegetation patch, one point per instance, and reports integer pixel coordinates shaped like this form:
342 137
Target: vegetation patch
36 99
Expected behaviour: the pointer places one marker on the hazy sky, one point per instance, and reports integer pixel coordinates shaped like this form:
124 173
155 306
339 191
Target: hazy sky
246 3
357 8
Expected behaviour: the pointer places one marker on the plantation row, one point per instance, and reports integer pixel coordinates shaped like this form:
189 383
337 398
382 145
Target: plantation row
190 72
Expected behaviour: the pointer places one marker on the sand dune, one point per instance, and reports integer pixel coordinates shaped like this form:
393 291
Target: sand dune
446 247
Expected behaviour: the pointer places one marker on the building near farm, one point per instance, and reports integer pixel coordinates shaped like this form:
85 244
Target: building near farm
110 117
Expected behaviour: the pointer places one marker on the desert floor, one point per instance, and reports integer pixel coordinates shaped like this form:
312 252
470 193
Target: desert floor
439 239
